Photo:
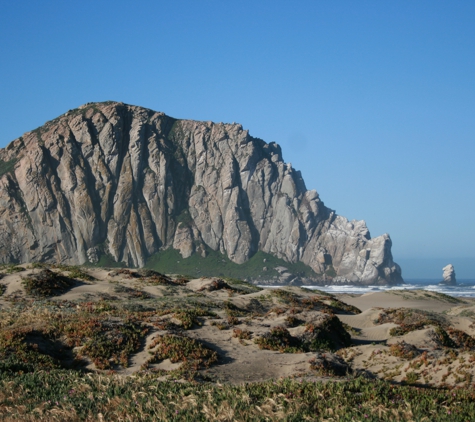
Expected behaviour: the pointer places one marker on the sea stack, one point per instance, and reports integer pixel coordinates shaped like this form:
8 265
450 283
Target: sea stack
448 275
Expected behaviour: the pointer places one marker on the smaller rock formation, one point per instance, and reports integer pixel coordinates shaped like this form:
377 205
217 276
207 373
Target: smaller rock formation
93 255
448 275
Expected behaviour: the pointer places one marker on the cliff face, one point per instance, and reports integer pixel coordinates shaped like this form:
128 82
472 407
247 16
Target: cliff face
125 180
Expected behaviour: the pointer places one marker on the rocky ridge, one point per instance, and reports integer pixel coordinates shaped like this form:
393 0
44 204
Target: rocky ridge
110 178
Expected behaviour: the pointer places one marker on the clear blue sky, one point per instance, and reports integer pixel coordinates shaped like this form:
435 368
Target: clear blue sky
374 101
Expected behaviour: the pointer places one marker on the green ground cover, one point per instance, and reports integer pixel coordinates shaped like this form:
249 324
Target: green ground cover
7 166
60 395
216 264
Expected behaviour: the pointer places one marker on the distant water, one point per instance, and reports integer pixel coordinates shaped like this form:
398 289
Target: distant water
464 288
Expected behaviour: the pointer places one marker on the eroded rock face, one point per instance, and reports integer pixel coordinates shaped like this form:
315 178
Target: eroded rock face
449 275
130 181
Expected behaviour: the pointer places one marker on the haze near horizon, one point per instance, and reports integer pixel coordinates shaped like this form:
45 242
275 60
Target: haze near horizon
372 102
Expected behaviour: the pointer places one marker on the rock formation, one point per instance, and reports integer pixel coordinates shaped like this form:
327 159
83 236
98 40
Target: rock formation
448 275
128 181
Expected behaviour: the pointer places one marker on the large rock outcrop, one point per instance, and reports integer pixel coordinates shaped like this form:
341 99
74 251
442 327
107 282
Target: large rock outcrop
128 181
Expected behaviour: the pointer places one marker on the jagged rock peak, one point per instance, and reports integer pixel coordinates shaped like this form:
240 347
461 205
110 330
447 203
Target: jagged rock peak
128 181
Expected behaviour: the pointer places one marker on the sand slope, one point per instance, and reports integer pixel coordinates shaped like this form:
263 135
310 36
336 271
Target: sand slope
430 352
419 353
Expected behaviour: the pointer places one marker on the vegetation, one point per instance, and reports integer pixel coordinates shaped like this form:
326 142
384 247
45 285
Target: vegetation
468 313
59 395
446 298
242 334
47 283
184 218
7 166
189 317
338 305
329 367
216 264
132 293
424 294
461 339
279 338
292 321
11 268
178 348
242 286
330 272
410 320
110 343
325 303
75 271
327 334
403 350
106 260
42 335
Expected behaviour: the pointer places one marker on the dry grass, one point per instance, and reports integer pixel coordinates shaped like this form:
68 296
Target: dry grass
65 396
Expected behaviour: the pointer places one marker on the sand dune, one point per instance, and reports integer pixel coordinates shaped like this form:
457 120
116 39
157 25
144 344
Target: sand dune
418 299
231 319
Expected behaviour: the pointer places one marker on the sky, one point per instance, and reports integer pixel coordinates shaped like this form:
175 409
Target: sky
373 101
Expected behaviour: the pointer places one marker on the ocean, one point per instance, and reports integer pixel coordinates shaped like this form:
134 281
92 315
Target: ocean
464 288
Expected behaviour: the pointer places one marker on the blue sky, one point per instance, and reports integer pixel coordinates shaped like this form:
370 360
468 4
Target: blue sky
374 101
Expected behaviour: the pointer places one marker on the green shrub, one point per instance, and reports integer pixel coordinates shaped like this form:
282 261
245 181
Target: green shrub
242 334
326 334
411 377
279 338
112 343
46 283
403 350
192 353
